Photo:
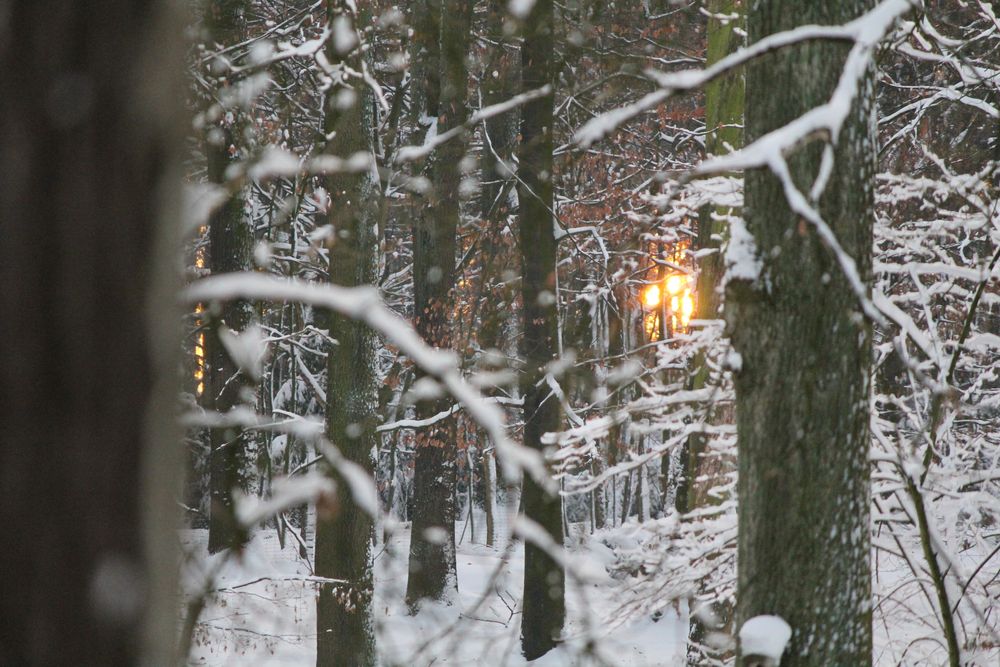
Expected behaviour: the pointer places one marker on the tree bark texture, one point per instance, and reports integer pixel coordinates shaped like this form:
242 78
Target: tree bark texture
432 569
230 250
803 390
344 531
544 606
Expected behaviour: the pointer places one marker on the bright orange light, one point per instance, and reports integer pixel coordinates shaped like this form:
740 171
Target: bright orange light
681 303
687 307
199 359
675 284
677 288
651 296
199 254
682 308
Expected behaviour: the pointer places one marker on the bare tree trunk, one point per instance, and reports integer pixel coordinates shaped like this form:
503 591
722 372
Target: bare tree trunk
432 571
230 250
701 471
498 82
724 132
344 531
544 595
489 496
803 390
89 125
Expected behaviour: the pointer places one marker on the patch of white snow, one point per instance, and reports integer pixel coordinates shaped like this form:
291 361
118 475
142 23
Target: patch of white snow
766 636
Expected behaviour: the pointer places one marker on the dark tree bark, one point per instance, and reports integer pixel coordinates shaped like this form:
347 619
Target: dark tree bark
344 531
84 149
432 571
425 68
544 606
803 391
230 250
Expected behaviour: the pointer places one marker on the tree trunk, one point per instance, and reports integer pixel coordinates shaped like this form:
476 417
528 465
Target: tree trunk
489 496
89 465
544 606
344 531
230 250
700 471
803 391
615 442
432 570
724 132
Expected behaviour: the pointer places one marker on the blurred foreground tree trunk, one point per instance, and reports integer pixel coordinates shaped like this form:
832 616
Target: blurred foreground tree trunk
89 110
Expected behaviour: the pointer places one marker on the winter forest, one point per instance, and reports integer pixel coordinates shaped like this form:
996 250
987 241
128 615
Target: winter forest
500 332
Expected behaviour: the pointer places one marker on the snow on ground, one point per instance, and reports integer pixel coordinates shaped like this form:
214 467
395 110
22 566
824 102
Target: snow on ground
264 612
907 630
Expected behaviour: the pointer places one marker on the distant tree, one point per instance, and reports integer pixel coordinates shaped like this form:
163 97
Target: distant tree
802 391
432 571
723 133
89 126
493 321
544 606
703 470
230 250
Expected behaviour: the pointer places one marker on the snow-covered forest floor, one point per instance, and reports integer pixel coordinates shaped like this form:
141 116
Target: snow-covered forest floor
263 612
263 609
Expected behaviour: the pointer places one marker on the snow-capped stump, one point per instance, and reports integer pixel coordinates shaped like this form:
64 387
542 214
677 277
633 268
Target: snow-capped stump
763 640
